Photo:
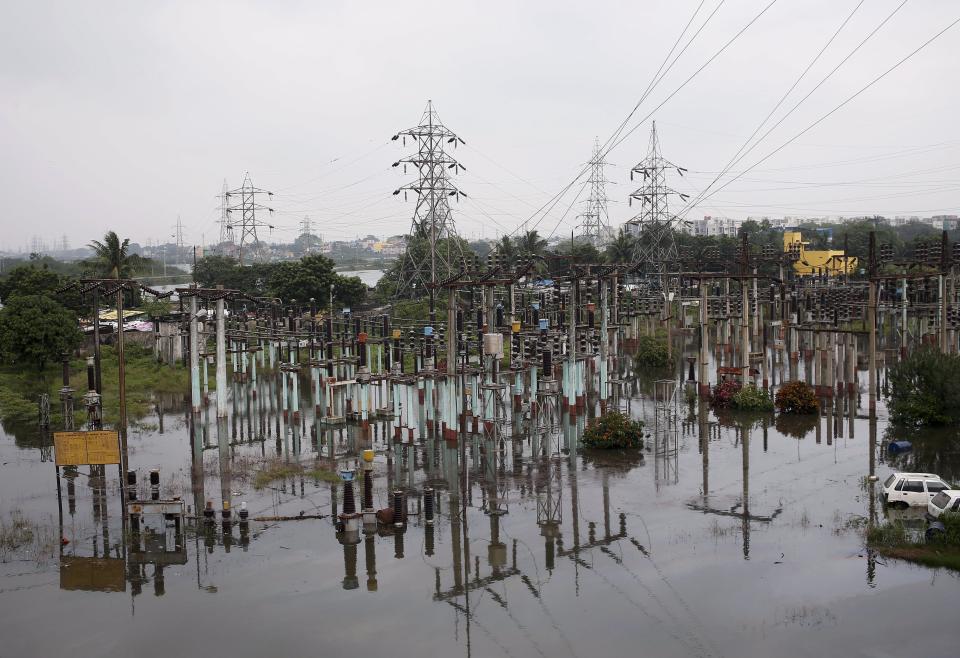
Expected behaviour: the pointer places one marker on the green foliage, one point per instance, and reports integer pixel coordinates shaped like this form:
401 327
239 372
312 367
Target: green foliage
36 330
349 290
723 394
622 248
893 540
797 398
211 271
652 352
32 279
796 426
614 430
156 308
752 398
579 252
309 277
404 269
112 259
924 389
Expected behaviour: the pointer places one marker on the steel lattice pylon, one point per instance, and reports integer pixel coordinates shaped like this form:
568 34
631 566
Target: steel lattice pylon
432 219
653 226
595 221
248 223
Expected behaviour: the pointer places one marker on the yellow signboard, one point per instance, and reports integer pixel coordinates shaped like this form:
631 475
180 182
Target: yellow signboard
94 447
92 574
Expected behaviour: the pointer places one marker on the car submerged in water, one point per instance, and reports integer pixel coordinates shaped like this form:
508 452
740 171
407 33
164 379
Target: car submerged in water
945 501
911 489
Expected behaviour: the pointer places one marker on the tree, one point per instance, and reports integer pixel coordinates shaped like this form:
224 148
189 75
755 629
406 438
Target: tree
349 290
924 389
309 277
112 258
34 280
213 271
506 249
621 249
530 246
35 330
481 248
28 280
455 251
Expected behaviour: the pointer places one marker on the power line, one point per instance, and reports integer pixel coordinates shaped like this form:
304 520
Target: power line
837 107
741 154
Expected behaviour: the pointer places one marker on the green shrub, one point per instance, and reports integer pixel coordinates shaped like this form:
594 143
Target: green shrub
652 352
797 398
795 426
887 534
752 398
614 430
723 394
924 389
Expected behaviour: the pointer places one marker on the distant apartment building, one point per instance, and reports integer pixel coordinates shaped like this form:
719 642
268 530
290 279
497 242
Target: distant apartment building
730 226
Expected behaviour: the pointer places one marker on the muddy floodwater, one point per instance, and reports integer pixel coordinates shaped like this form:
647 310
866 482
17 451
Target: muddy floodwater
733 536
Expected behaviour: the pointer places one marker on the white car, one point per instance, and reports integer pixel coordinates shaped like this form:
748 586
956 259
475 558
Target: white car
911 489
947 500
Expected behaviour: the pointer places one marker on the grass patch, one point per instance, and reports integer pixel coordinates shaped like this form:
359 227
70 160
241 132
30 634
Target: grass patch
21 538
927 555
894 541
145 378
277 469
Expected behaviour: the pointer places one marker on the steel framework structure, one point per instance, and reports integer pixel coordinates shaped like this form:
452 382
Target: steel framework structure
653 226
595 221
432 219
248 223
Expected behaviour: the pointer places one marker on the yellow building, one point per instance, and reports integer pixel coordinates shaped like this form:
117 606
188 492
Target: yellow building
832 262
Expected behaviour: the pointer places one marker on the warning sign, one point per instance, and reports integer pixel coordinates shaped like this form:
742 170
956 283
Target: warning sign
95 447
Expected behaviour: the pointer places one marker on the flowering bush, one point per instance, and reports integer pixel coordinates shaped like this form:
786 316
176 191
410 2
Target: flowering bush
797 398
752 398
614 430
723 394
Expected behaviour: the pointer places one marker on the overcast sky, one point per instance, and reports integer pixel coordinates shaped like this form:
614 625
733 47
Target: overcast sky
125 115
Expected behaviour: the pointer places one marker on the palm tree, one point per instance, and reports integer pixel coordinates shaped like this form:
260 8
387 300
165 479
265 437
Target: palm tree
112 260
505 249
622 248
531 246
111 257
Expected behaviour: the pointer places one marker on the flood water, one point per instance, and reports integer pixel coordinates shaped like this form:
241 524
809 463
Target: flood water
730 538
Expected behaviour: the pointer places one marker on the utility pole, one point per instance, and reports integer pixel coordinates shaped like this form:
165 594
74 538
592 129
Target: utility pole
247 208
872 323
432 219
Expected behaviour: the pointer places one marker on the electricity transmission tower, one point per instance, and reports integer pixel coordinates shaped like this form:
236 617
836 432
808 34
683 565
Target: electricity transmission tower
308 241
226 229
595 221
178 237
653 226
248 223
432 219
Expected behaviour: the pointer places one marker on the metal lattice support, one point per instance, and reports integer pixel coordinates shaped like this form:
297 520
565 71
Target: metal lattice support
248 223
226 228
432 219
595 221
43 410
653 226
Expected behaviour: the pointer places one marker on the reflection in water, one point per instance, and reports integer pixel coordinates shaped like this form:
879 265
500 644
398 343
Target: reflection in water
541 511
